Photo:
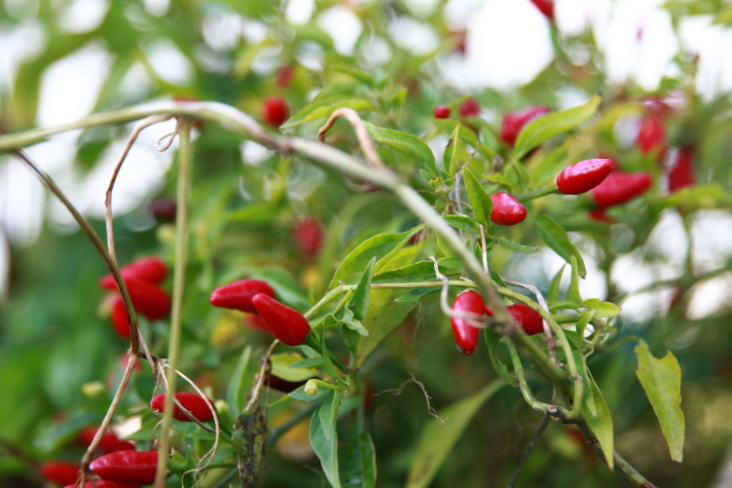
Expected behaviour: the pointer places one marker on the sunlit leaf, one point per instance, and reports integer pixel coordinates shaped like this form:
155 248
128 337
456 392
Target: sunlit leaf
556 238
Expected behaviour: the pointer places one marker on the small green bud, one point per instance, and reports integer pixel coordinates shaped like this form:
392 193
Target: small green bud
311 387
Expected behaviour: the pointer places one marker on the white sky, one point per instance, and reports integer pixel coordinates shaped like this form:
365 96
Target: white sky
508 44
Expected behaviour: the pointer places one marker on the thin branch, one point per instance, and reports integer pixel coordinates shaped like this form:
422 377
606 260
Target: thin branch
472 319
541 428
257 391
484 249
152 120
400 389
364 138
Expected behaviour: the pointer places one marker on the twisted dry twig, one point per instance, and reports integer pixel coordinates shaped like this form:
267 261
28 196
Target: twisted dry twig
364 138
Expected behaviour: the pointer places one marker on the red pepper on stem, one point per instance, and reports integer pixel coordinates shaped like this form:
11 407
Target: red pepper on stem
529 320
442 112
682 174
150 268
506 209
466 335
132 467
584 176
619 188
59 472
193 402
287 324
238 295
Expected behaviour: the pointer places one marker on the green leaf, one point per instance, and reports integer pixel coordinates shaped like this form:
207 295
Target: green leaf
573 294
550 125
564 306
724 16
461 222
499 179
466 135
415 293
450 262
330 370
282 367
553 294
601 424
437 440
449 157
358 462
299 394
491 340
603 310
661 379
236 391
583 321
324 440
515 246
359 302
405 143
420 271
479 199
307 363
379 246
556 238
552 163
323 107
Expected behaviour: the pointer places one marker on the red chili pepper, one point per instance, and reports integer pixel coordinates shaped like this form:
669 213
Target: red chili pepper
514 122
109 442
286 324
132 467
190 401
525 316
308 236
284 77
120 320
275 111
506 209
682 174
466 336
546 7
238 295
104 484
148 299
652 135
619 188
469 108
584 176
599 215
151 269
442 112
60 472
255 322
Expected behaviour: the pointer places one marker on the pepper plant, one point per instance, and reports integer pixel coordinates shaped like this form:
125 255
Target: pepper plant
313 282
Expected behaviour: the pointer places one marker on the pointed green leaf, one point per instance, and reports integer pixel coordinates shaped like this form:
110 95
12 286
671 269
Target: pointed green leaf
513 246
415 293
299 394
491 340
282 367
449 157
323 107
437 440
461 222
324 441
479 199
573 294
466 135
553 294
359 302
604 310
556 238
405 143
547 126
601 424
661 379
358 462
330 370
552 163
236 391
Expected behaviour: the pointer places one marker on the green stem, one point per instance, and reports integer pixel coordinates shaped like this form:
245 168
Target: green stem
547 190
179 275
525 390
313 343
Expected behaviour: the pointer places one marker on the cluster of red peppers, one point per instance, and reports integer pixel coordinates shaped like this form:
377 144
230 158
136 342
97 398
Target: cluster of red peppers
142 278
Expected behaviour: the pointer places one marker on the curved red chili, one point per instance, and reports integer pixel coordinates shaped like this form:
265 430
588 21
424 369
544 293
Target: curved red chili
466 336
59 472
238 295
682 174
288 325
150 268
193 402
529 320
308 236
120 320
109 442
506 209
584 176
619 188
514 122
132 467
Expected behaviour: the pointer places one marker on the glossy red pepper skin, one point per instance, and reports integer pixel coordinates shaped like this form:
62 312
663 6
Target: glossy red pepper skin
442 112
131 467
469 108
651 135
151 269
682 174
59 472
275 111
148 298
104 484
120 320
584 176
529 320
288 325
190 401
506 209
109 442
546 7
238 295
308 236
619 188
514 122
467 336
